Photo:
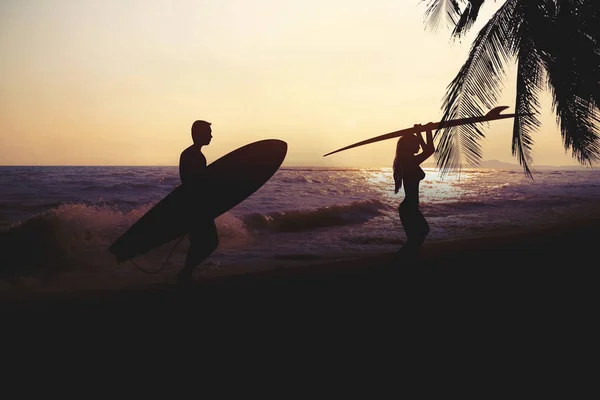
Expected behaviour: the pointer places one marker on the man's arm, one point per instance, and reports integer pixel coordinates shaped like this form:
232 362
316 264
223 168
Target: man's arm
182 168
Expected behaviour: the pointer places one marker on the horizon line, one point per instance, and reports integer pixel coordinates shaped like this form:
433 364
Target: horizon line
501 165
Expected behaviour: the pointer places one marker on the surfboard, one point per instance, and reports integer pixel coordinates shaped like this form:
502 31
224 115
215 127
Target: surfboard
227 182
492 115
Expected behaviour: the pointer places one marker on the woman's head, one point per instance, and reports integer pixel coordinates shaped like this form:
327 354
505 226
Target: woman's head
408 145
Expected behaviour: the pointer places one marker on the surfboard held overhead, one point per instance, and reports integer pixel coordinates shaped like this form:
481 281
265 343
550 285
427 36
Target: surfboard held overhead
493 114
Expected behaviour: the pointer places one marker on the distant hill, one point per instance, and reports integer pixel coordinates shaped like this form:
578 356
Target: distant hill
495 164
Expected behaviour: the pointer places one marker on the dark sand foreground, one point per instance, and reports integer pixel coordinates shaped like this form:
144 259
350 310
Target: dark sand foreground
502 309
534 273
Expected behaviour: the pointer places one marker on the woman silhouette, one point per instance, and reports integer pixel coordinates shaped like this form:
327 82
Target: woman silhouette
407 171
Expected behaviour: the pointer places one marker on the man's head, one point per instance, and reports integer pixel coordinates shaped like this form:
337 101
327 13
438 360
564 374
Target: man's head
201 132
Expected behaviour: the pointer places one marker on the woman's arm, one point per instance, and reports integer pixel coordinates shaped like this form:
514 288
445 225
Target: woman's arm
397 172
428 147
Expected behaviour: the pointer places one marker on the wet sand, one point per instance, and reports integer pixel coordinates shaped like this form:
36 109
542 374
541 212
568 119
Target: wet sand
539 273
478 314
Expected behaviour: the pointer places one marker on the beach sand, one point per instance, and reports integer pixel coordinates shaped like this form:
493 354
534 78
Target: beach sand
501 309
530 273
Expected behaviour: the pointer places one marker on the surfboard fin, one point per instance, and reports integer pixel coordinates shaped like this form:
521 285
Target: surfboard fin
495 112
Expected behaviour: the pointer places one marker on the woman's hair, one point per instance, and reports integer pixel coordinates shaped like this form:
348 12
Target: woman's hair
407 146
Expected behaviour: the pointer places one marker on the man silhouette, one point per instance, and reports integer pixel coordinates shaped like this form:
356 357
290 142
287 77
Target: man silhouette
203 236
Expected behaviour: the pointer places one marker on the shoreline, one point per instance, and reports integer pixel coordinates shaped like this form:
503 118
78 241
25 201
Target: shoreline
528 262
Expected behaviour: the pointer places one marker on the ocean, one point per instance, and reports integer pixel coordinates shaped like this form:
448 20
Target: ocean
59 221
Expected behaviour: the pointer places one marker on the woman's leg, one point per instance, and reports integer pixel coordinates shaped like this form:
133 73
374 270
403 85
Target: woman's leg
415 226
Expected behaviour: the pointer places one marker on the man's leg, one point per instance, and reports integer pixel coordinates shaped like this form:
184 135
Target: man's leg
204 239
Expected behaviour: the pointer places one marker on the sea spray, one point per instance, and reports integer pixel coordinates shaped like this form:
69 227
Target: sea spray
77 236
65 237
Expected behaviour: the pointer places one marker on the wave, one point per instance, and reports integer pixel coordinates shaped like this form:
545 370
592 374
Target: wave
299 220
376 239
319 169
78 236
301 179
19 206
469 205
56 239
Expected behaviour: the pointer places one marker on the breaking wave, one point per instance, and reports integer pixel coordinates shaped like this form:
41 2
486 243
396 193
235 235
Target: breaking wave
78 236
299 220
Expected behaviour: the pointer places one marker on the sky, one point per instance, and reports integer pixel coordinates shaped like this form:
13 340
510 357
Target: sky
113 82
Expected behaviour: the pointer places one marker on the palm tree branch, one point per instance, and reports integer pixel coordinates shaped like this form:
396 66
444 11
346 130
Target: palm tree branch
573 67
529 84
475 90
578 120
442 11
467 17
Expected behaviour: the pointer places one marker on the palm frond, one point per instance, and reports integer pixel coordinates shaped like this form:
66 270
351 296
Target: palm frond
442 12
529 84
576 113
533 26
584 42
467 17
572 62
578 121
475 90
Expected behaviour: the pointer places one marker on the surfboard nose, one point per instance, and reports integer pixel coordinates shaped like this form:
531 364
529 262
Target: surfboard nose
276 146
267 152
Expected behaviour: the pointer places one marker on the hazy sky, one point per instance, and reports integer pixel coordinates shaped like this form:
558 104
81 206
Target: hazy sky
119 82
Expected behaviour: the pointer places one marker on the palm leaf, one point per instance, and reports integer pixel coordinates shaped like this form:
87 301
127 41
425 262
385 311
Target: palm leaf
578 122
529 83
467 17
573 67
532 19
475 90
441 11
577 117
